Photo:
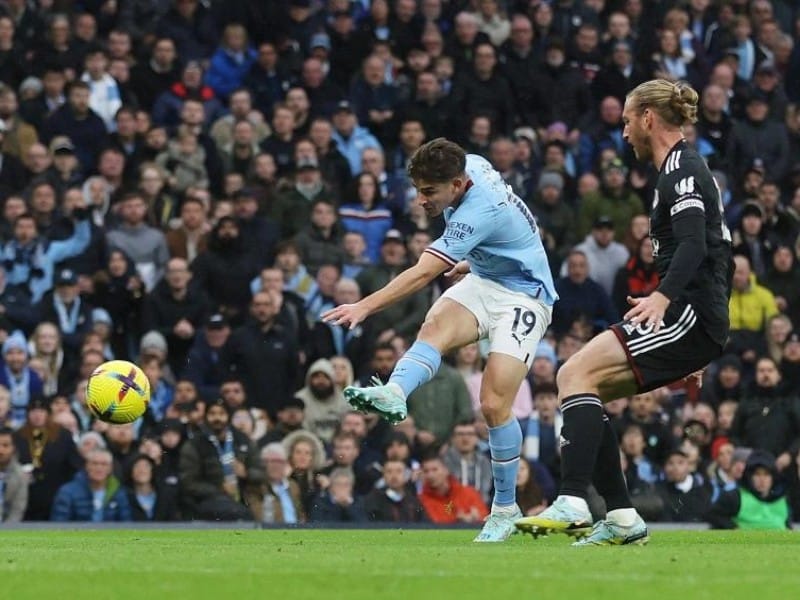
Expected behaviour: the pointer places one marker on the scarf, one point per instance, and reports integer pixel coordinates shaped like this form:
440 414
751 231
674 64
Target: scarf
226 455
19 386
67 321
531 444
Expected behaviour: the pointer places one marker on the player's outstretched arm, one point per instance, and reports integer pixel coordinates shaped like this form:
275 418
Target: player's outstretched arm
428 268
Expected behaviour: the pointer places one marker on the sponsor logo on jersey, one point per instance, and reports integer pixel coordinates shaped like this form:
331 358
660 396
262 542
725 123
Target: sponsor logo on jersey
685 186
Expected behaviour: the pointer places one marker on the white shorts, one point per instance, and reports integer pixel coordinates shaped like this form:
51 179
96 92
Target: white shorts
514 322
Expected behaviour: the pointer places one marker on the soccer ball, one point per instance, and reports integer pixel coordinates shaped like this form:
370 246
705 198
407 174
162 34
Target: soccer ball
118 392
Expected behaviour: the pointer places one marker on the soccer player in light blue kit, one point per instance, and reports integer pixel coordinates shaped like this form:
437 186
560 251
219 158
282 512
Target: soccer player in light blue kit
505 292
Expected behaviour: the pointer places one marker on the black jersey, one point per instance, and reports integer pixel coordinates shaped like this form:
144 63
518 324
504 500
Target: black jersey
691 242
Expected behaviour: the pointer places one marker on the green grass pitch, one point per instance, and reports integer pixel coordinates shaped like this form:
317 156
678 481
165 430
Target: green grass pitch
378 565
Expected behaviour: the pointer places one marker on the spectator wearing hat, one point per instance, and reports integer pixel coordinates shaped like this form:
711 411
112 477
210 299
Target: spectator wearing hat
767 81
50 450
292 205
350 137
216 467
145 245
606 256
65 307
176 310
756 136
12 172
581 296
203 365
65 172
614 200
94 494
17 377
555 217
760 502
13 481
404 317
192 26
231 61
768 416
226 259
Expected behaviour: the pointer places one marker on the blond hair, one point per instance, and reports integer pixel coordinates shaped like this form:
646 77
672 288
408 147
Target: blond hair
674 101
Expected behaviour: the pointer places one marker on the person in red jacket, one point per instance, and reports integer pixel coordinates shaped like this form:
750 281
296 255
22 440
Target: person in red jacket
445 499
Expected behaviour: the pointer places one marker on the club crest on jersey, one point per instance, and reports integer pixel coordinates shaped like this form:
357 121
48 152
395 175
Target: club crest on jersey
685 186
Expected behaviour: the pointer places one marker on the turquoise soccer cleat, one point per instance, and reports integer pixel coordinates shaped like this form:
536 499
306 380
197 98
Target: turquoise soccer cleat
561 517
606 533
379 399
499 527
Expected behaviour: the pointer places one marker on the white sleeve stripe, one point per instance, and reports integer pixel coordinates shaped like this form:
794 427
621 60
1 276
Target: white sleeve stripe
441 255
684 204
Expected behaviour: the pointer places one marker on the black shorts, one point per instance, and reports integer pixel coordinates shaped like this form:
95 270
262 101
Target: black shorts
680 347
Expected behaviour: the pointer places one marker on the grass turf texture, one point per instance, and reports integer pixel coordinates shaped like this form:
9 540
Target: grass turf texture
391 564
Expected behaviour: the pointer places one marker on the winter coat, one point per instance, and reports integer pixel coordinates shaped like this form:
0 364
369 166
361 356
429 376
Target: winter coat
255 500
33 264
325 511
317 249
582 299
203 367
751 308
201 474
226 71
186 170
635 279
352 147
441 404
621 208
165 509
14 498
769 419
147 248
84 133
766 140
74 501
382 509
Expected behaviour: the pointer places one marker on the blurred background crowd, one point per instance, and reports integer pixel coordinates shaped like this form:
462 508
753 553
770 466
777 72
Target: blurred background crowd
189 184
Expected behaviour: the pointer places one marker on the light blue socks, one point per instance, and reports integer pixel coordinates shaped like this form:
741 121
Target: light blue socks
505 445
417 366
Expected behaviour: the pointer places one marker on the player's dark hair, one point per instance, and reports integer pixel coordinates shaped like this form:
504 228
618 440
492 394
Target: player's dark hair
438 161
674 101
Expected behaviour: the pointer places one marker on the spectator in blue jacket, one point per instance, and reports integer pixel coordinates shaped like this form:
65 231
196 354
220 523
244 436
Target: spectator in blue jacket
231 62
93 495
365 213
29 259
350 138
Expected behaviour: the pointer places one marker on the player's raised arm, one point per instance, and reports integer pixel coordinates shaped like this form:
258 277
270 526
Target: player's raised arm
428 268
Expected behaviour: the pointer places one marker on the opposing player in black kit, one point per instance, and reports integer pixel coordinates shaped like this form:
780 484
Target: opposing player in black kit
670 334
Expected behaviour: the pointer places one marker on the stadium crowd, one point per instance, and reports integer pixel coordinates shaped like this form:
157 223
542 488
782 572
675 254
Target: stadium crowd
189 184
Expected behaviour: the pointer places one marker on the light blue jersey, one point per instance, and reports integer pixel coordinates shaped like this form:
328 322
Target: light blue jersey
495 232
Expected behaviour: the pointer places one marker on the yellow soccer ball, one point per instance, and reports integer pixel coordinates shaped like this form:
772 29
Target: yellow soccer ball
118 392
